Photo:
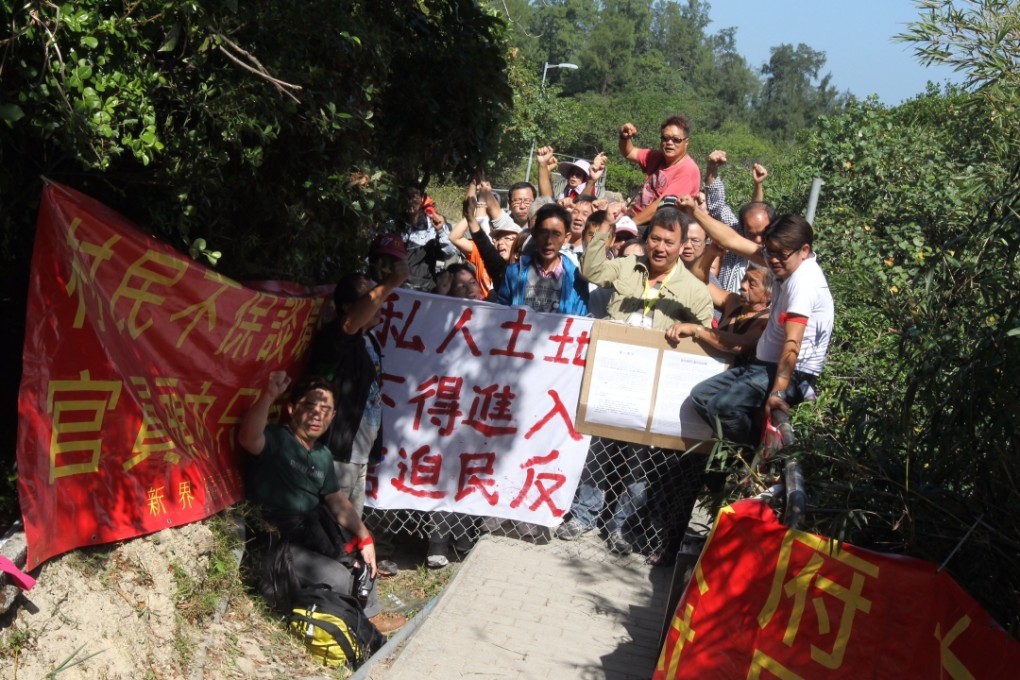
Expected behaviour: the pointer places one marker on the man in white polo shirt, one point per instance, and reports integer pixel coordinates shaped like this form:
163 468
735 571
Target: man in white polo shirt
793 347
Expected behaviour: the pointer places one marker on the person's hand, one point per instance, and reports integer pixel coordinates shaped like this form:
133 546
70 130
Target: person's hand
483 186
678 331
775 404
544 154
717 158
600 204
598 168
368 554
443 283
758 173
399 273
566 202
470 207
701 200
486 196
628 131
277 384
616 210
687 203
438 221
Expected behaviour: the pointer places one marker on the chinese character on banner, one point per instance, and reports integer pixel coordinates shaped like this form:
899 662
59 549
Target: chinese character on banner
797 582
544 485
249 321
472 468
152 272
419 473
461 328
768 602
516 327
167 422
445 395
203 309
78 409
390 329
564 340
491 405
558 410
84 273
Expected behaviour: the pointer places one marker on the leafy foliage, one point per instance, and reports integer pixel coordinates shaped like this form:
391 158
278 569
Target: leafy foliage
275 135
790 100
915 446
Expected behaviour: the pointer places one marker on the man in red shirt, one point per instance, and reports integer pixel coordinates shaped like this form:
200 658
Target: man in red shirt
670 171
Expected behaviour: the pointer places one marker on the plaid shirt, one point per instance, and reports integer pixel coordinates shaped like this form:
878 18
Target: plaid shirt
731 273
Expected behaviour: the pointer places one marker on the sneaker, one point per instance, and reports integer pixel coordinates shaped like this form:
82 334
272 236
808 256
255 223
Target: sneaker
463 544
438 547
386 568
571 530
436 561
617 544
388 623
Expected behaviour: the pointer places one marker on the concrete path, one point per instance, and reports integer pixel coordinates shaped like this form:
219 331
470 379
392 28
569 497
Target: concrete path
520 610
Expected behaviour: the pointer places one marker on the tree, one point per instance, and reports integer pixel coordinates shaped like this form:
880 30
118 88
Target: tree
735 84
678 34
791 98
608 59
276 135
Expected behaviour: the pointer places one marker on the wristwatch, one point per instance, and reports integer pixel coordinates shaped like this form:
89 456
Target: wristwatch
779 393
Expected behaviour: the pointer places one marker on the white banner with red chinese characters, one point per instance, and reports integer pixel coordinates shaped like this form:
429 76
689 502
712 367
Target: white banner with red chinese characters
479 405
139 362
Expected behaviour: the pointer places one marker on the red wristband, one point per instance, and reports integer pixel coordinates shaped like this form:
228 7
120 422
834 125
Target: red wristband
368 540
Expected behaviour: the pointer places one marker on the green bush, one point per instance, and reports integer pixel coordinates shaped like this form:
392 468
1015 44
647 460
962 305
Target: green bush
914 447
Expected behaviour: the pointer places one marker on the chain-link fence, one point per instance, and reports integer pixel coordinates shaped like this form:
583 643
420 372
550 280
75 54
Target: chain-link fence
632 499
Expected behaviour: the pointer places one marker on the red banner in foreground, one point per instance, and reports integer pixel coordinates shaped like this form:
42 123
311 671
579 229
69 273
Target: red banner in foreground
768 602
138 363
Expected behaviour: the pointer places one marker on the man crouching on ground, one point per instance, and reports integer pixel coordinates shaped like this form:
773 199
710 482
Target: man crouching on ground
292 474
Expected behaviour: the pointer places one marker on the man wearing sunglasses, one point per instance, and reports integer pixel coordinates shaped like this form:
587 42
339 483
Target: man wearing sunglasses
794 344
669 170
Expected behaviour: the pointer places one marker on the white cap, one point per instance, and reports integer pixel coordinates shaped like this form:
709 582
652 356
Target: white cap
627 226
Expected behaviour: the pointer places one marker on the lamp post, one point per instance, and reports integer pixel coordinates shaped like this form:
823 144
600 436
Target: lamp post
545 71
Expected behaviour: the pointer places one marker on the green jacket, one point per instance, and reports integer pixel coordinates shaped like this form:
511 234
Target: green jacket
684 299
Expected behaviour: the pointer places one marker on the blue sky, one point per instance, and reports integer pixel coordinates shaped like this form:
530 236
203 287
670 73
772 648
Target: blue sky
855 36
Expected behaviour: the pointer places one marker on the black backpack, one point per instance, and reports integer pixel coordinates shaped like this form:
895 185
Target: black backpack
333 627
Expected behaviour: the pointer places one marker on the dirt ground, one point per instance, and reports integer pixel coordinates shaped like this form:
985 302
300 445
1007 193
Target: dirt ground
138 610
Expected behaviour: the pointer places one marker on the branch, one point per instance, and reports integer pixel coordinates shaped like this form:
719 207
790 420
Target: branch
258 69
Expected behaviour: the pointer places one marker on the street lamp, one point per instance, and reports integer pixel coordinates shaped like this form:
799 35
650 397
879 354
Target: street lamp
545 71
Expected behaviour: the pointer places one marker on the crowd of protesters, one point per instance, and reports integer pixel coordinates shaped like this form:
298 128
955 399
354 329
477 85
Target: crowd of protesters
675 258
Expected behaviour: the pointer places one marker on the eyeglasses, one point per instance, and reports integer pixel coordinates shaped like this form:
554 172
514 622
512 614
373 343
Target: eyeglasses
696 242
773 255
324 409
546 234
521 201
675 140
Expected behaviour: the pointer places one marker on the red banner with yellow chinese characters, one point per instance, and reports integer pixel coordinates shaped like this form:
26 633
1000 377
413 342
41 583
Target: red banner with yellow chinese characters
138 363
768 602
